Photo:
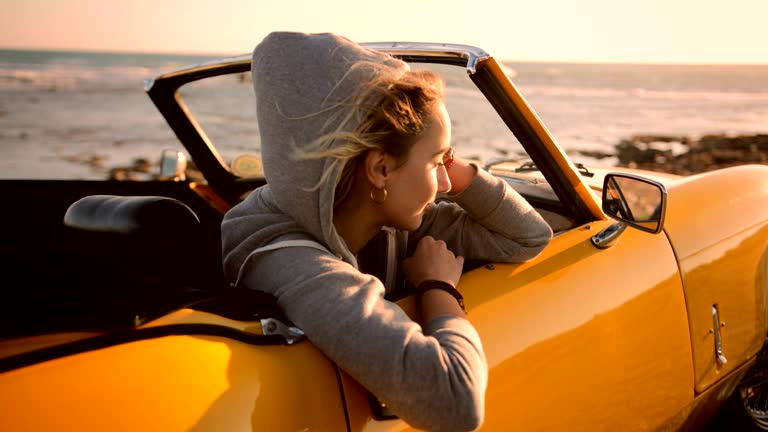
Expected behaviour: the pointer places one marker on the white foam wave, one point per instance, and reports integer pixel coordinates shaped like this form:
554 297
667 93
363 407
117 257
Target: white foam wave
596 92
64 77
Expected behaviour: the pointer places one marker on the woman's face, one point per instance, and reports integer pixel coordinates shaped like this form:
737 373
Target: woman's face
415 184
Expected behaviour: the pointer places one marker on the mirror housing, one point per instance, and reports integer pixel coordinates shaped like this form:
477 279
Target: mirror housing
636 201
173 165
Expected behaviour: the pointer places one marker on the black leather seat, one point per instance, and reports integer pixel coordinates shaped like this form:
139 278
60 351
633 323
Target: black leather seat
121 214
150 260
137 256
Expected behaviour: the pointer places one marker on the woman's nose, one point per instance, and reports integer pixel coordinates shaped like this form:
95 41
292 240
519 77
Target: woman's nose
443 180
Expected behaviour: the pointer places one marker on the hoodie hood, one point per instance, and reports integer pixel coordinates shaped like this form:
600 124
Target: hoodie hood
301 82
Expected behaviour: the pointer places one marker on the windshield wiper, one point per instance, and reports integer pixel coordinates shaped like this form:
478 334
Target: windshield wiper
529 166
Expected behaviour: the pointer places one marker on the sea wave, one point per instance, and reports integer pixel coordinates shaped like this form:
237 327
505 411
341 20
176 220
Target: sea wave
643 93
72 78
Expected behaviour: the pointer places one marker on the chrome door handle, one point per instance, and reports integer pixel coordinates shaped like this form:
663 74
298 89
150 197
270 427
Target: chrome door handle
716 324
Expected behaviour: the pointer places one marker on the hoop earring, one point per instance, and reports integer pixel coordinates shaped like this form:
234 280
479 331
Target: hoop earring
382 192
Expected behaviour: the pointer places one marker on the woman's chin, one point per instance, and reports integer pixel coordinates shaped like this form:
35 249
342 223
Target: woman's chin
415 222
409 223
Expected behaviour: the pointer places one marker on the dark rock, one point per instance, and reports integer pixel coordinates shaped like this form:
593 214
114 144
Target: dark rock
122 174
142 165
640 152
647 139
708 153
594 154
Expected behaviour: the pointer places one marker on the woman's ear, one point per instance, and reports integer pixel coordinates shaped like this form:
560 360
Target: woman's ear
378 165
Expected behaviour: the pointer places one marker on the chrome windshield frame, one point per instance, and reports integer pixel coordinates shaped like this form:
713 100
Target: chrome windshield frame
466 56
460 55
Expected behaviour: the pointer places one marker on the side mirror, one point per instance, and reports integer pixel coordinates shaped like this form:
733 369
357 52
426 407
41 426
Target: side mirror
636 201
173 165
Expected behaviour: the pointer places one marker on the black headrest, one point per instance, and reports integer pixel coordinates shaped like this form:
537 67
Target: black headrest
125 214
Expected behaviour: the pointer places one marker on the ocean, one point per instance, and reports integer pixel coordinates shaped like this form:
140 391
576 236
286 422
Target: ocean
76 115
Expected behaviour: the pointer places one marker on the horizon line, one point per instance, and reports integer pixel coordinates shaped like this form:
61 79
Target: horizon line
224 54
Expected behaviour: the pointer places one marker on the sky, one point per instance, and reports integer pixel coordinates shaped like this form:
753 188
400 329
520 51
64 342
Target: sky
619 31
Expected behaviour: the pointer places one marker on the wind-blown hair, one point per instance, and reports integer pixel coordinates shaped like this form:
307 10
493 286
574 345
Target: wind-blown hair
392 109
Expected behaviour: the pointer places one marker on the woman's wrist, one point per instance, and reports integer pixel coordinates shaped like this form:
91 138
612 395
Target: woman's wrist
431 284
461 174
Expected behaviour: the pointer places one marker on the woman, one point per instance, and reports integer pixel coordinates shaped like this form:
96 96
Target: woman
356 147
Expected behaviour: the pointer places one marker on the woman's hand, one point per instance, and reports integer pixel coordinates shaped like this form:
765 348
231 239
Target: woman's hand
461 174
432 261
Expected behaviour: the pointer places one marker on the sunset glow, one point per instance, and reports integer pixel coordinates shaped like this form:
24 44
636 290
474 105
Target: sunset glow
652 31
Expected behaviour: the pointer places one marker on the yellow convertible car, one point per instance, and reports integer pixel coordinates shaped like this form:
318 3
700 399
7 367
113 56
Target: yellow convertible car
647 311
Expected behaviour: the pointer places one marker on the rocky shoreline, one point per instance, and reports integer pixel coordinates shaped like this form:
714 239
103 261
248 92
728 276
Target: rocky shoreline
673 154
685 155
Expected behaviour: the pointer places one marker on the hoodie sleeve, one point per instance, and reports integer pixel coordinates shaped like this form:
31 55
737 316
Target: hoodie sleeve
434 377
492 220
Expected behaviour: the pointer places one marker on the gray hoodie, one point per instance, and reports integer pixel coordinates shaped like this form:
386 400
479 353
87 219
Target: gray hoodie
433 376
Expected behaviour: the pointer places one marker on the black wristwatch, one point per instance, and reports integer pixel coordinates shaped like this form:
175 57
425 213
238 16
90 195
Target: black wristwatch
431 284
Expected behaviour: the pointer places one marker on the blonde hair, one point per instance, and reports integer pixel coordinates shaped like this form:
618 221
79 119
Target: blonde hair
391 108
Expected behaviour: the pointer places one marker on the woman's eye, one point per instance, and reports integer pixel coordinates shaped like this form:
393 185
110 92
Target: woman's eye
447 158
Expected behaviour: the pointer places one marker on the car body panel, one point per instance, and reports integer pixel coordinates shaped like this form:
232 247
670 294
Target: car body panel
564 331
177 382
722 263
567 322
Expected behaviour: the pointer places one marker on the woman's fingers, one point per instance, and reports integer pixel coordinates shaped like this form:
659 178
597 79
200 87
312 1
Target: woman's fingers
433 260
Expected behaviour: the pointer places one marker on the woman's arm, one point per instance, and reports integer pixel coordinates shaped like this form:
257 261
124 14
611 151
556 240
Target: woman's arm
432 261
461 173
434 377
486 220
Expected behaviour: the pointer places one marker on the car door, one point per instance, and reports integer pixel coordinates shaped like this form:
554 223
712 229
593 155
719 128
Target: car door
584 338
579 338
